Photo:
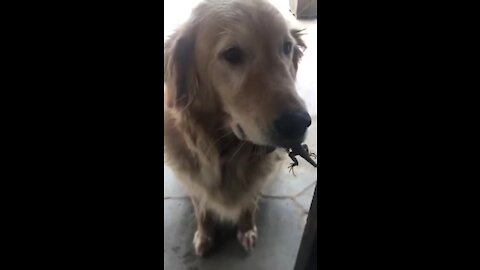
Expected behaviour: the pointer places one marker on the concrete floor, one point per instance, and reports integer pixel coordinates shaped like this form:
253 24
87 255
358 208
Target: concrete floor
285 203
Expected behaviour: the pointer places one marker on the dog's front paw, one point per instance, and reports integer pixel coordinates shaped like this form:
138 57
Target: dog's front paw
202 243
248 239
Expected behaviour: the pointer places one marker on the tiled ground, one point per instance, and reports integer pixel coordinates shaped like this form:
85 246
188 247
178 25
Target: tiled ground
285 203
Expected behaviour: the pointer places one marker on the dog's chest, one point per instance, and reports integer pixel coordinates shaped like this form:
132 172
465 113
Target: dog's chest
243 166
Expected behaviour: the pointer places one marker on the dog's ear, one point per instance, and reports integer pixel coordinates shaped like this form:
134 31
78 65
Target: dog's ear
299 48
179 67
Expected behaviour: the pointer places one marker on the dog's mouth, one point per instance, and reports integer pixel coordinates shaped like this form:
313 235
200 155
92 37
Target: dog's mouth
290 143
241 132
263 150
268 148
259 148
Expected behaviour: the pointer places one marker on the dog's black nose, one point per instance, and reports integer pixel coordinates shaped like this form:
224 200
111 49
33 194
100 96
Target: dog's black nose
292 125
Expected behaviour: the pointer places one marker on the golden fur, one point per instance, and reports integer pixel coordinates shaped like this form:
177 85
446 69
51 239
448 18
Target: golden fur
217 121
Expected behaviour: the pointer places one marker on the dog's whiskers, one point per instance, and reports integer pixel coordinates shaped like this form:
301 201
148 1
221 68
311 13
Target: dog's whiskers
211 147
238 150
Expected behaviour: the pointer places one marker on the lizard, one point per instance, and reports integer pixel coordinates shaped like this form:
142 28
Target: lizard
300 150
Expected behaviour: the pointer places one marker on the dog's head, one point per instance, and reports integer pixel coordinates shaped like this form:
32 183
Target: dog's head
240 56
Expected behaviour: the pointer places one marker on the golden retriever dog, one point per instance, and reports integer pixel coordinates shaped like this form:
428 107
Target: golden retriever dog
231 109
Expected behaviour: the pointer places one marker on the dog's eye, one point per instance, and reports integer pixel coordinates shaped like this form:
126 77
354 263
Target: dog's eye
287 47
234 56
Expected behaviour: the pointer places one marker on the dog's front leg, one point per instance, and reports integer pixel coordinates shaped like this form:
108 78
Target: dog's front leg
203 238
246 229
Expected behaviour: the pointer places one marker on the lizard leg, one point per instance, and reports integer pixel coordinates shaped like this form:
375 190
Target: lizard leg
295 163
291 169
